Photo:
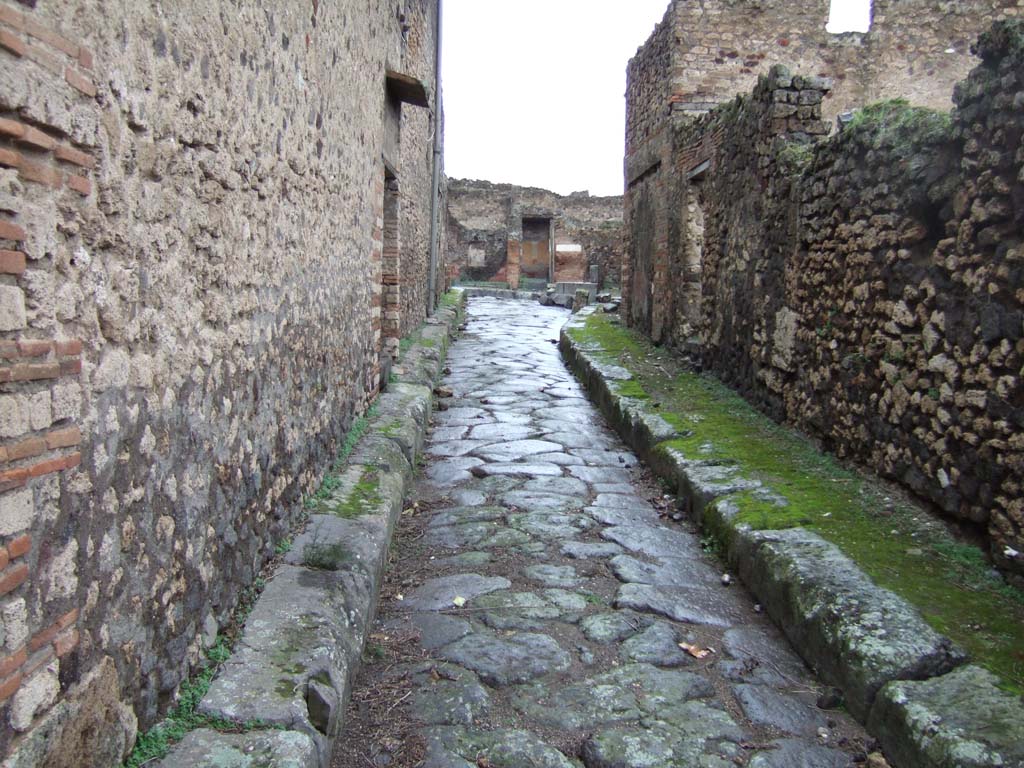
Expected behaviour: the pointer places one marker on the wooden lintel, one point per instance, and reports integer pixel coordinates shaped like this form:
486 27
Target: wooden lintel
407 88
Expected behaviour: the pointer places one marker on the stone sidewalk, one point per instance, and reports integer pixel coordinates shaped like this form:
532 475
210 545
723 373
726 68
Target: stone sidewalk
561 622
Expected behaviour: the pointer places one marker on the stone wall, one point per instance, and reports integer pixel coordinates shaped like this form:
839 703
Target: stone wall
705 52
867 287
485 223
191 215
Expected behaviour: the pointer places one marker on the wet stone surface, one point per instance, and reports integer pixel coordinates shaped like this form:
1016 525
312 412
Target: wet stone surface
555 618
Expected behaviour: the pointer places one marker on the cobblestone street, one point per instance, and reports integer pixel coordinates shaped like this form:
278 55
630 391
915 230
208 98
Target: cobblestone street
554 617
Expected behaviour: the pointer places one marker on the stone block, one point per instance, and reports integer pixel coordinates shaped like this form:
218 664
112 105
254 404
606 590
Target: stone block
17 511
297 655
34 696
402 417
14 415
959 720
855 634
12 308
256 749
89 720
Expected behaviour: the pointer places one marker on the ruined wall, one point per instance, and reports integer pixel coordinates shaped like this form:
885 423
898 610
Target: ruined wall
485 231
191 201
705 52
867 287
478 220
914 48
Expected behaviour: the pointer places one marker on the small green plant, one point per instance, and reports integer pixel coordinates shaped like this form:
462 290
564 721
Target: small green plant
184 717
710 545
795 157
283 547
331 480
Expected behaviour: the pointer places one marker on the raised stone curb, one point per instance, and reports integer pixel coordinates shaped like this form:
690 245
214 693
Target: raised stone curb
257 749
959 720
500 293
301 645
856 635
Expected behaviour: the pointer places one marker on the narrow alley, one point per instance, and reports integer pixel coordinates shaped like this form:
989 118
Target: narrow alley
539 610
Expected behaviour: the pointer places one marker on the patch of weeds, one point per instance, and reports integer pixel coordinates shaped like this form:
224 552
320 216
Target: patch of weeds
404 344
896 542
283 547
155 743
332 480
795 157
895 124
591 598
710 545
451 299
481 284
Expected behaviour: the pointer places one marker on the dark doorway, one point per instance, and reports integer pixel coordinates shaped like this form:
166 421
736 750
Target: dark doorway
535 263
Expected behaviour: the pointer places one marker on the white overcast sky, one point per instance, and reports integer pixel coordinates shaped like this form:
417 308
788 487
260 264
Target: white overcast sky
534 89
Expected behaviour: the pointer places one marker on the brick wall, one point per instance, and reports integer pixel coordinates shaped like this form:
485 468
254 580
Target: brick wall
191 293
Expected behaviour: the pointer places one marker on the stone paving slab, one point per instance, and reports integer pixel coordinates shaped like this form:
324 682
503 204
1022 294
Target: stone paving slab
565 621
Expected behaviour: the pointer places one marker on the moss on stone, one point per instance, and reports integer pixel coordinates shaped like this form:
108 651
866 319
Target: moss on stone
325 557
630 389
392 428
451 299
363 499
893 540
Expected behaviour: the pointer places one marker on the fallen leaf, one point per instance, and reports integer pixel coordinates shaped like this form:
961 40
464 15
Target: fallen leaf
695 650
458 601
399 596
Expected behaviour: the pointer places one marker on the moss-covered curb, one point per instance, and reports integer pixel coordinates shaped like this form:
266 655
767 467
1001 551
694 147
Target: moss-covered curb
301 645
761 509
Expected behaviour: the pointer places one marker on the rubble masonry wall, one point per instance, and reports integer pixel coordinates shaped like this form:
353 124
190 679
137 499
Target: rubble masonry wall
191 197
